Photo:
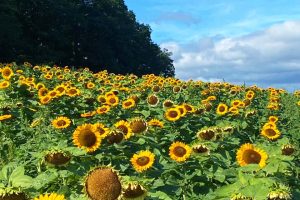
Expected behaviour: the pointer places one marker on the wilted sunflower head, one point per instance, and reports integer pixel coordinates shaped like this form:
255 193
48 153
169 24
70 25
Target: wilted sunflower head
134 191
287 150
138 125
200 149
153 100
103 183
115 136
206 134
179 151
248 154
57 158
280 192
12 194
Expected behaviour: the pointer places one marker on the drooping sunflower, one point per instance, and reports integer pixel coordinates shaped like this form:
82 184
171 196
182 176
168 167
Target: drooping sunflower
156 123
270 133
248 154
87 137
287 150
7 73
4 84
138 125
61 122
125 128
222 109
142 161
127 104
103 131
57 158
52 196
179 151
134 191
103 109
173 114
103 183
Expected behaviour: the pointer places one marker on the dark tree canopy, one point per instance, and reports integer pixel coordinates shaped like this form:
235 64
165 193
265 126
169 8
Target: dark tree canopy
104 35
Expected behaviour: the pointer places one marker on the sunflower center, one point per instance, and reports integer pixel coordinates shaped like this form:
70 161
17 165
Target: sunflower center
142 161
128 104
179 151
87 138
61 123
222 109
103 109
251 157
270 132
112 100
173 114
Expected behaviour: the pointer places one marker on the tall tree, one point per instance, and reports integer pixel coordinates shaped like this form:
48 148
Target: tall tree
102 35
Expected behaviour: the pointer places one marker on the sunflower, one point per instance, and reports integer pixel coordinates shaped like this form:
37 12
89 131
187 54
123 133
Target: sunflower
179 151
88 114
134 191
52 196
101 99
222 109
206 134
73 91
168 103
42 92
7 73
4 84
90 85
138 125
235 103
103 183
273 119
61 122
4 117
45 99
142 160
103 109
125 128
102 129
156 122
248 154
271 133
172 114
189 108
234 111
200 149
153 100
112 100
287 150
87 137
127 104
57 158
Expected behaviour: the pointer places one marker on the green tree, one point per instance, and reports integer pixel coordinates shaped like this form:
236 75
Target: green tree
104 35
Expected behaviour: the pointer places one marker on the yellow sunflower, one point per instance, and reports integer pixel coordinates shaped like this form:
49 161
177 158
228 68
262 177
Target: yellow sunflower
142 160
4 117
72 92
102 129
103 109
52 196
156 122
61 122
182 110
125 128
7 73
271 133
45 99
179 151
248 154
153 100
222 109
273 119
172 114
87 137
127 104
4 84
112 100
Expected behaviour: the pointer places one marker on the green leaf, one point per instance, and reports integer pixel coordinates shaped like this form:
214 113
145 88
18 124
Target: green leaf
160 195
22 181
17 172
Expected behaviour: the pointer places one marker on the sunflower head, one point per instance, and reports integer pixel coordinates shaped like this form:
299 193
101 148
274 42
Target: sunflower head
270 133
138 125
12 195
87 137
156 123
61 122
142 161
248 154
125 128
168 103
287 150
222 109
127 104
173 114
103 183
281 192
4 84
103 109
57 158
112 100
134 191
179 151
200 149
152 100
115 137
103 131
273 119
206 134
7 73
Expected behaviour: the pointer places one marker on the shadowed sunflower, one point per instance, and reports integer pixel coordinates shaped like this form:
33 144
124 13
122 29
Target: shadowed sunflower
179 151
248 154
153 100
103 184
172 114
52 196
271 133
61 122
222 109
142 160
87 137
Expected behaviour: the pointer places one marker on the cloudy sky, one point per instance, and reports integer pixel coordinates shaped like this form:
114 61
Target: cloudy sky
249 41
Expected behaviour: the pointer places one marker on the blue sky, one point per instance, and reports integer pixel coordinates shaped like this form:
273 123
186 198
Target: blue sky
210 39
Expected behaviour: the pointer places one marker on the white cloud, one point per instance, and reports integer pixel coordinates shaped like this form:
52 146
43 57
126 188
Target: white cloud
266 58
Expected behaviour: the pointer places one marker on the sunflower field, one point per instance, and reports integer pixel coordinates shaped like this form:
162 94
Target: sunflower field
70 134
